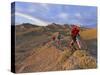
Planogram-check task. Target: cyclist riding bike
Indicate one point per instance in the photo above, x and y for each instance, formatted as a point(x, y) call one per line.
point(75, 29)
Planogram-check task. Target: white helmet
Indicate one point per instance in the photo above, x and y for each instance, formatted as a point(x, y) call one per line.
point(78, 25)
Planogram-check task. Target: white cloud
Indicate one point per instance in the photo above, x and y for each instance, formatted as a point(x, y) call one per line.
point(78, 15)
point(45, 6)
point(35, 20)
point(31, 9)
point(75, 21)
point(63, 15)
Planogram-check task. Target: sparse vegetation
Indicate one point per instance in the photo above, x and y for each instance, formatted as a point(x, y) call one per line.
point(65, 55)
point(80, 59)
point(36, 52)
point(80, 53)
point(87, 62)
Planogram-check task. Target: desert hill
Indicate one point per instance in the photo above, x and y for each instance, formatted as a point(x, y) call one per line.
point(51, 58)
point(35, 51)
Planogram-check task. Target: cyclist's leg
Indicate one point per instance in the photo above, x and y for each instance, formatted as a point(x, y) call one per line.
point(73, 39)
point(78, 43)
point(71, 43)
point(59, 42)
point(72, 46)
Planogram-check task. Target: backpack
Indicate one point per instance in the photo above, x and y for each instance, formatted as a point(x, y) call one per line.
point(59, 36)
point(74, 31)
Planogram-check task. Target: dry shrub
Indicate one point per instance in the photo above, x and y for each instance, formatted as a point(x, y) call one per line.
point(71, 63)
point(80, 53)
point(80, 59)
point(65, 55)
point(87, 62)
point(68, 66)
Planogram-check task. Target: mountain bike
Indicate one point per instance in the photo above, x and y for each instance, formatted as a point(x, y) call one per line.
point(82, 43)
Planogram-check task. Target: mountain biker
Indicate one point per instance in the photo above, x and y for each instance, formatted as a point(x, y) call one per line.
point(75, 29)
point(59, 37)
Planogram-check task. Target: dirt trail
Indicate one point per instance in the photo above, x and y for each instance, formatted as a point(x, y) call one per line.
point(52, 59)
point(43, 59)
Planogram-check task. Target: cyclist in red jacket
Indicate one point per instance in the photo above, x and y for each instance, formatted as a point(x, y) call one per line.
point(74, 35)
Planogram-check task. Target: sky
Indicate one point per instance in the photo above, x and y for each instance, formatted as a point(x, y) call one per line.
point(43, 14)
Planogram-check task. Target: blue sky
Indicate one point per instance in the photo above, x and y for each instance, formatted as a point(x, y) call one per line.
point(43, 14)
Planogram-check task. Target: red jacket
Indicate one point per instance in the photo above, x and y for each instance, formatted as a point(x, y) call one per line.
point(75, 31)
